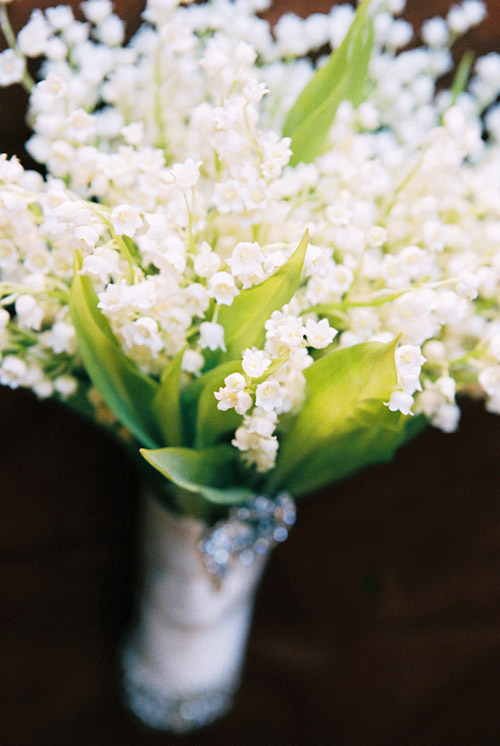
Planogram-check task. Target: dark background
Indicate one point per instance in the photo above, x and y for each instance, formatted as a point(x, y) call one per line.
point(377, 622)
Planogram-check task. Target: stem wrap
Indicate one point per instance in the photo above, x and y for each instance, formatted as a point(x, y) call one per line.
point(182, 663)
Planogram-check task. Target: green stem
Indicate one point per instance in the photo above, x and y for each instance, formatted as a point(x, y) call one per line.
point(191, 241)
point(7, 30)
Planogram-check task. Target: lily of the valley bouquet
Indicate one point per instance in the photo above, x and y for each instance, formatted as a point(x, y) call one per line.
point(264, 271)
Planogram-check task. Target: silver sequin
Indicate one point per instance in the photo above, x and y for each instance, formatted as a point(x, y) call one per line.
point(251, 529)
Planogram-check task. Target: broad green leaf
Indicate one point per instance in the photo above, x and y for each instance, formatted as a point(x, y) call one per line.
point(371, 436)
point(461, 76)
point(342, 78)
point(244, 320)
point(190, 396)
point(232, 495)
point(328, 76)
point(127, 392)
point(344, 423)
point(210, 472)
point(212, 423)
point(167, 405)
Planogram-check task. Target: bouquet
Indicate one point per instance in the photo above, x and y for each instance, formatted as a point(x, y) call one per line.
point(264, 258)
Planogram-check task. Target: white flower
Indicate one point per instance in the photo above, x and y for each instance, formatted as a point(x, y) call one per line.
point(12, 371)
point(125, 220)
point(276, 155)
point(29, 312)
point(261, 422)
point(235, 382)
point(376, 236)
point(111, 31)
point(12, 171)
point(61, 338)
point(4, 318)
point(435, 32)
point(12, 67)
point(49, 91)
point(255, 362)
point(290, 331)
point(254, 91)
point(268, 395)
point(319, 334)
point(96, 11)
point(65, 386)
point(134, 134)
point(186, 174)
point(489, 379)
point(244, 440)
point(227, 398)
point(192, 362)
point(144, 332)
point(212, 336)
point(60, 17)
point(33, 37)
point(446, 385)
point(400, 402)
point(85, 238)
point(475, 10)
point(246, 259)
point(99, 267)
point(227, 196)
point(81, 125)
point(60, 157)
point(206, 262)
point(409, 359)
point(447, 417)
point(222, 287)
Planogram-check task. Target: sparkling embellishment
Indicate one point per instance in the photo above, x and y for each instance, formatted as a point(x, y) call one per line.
point(251, 529)
point(156, 708)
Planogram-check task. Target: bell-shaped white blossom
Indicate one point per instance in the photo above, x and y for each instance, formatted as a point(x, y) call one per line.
point(12, 67)
point(255, 362)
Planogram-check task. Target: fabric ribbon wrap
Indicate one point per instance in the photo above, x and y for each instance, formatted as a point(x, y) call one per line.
point(182, 663)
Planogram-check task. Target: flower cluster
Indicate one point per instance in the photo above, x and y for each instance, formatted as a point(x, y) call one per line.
point(167, 170)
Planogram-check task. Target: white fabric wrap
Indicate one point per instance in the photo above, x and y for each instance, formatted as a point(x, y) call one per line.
point(191, 634)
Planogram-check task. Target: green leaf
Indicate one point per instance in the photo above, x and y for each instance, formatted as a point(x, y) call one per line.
point(344, 424)
point(210, 472)
point(244, 320)
point(342, 78)
point(212, 423)
point(461, 78)
point(127, 392)
point(167, 405)
point(229, 496)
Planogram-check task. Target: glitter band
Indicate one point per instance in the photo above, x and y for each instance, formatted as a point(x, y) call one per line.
point(158, 709)
point(251, 529)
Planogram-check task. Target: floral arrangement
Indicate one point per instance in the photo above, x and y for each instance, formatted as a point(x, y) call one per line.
point(264, 256)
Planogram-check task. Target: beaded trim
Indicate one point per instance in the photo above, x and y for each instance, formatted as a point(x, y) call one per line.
point(251, 529)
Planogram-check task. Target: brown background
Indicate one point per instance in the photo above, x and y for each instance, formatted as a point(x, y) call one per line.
point(377, 623)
